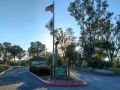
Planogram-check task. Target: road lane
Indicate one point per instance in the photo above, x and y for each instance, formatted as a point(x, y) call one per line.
point(18, 79)
point(102, 82)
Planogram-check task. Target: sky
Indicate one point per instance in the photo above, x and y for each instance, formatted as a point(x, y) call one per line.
point(23, 21)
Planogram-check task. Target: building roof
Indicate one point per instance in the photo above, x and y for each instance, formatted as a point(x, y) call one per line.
point(37, 59)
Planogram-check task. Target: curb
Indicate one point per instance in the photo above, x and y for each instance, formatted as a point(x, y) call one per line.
point(5, 71)
point(56, 84)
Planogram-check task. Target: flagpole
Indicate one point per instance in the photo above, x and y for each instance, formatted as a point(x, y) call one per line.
point(53, 37)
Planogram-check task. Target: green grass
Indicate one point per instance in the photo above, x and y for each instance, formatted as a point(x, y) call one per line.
point(84, 69)
point(115, 70)
point(3, 68)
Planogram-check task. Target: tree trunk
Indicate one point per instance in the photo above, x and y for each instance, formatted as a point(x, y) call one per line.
point(14, 60)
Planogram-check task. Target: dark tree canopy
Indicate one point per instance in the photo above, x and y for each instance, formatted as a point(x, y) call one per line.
point(15, 50)
point(36, 48)
point(95, 26)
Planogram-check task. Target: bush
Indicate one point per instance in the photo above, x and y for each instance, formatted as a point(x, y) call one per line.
point(3, 68)
point(40, 70)
point(117, 66)
point(96, 63)
point(108, 64)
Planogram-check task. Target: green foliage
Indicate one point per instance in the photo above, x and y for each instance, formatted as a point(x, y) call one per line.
point(5, 52)
point(117, 66)
point(36, 49)
point(40, 70)
point(66, 40)
point(108, 64)
point(48, 56)
point(15, 50)
point(98, 33)
point(96, 63)
point(70, 52)
point(84, 63)
point(21, 54)
point(3, 68)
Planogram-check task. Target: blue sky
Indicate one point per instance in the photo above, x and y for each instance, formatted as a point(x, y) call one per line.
point(23, 21)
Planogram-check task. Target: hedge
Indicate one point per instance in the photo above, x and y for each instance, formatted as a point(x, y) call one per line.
point(40, 70)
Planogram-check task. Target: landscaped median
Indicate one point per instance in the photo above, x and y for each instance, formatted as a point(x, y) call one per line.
point(100, 72)
point(4, 68)
point(47, 82)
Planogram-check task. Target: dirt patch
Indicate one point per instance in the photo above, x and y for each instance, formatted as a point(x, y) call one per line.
point(72, 79)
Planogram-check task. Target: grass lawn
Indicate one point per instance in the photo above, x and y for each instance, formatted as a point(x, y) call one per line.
point(116, 72)
point(3, 67)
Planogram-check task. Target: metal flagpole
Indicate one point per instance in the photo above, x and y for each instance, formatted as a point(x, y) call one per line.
point(53, 38)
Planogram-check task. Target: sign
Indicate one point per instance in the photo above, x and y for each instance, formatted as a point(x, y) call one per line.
point(60, 70)
point(71, 61)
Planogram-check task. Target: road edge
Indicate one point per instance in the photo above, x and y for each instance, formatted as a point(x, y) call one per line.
point(5, 71)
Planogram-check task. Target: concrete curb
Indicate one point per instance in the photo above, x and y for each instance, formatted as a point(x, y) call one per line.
point(5, 71)
point(56, 84)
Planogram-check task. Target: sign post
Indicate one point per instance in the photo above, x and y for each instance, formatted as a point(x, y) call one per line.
point(71, 61)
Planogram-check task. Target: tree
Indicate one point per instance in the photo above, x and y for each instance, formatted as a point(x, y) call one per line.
point(111, 51)
point(116, 33)
point(5, 49)
point(94, 23)
point(71, 52)
point(36, 48)
point(1, 50)
point(15, 50)
point(65, 38)
point(48, 56)
point(20, 55)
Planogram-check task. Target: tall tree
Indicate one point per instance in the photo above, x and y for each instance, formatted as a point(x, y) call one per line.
point(65, 39)
point(116, 33)
point(36, 48)
point(20, 55)
point(15, 50)
point(6, 54)
point(71, 52)
point(94, 21)
point(1, 50)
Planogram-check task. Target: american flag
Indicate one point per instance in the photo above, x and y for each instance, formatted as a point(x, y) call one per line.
point(49, 8)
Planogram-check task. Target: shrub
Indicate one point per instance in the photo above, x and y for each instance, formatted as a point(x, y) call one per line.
point(107, 64)
point(117, 66)
point(3, 68)
point(40, 70)
point(97, 63)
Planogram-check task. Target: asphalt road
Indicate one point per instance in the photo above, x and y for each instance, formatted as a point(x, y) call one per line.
point(19, 79)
